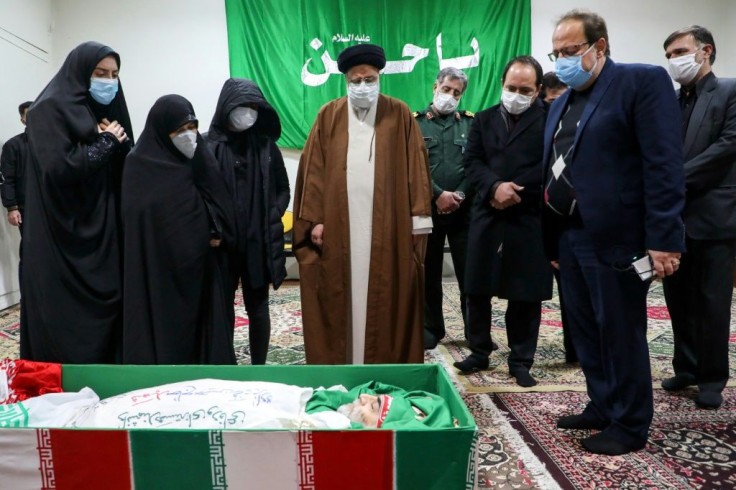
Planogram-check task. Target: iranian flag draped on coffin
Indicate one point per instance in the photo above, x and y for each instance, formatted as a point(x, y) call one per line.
point(155, 459)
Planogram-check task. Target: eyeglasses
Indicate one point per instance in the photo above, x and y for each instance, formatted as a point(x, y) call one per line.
point(367, 80)
point(567, 51)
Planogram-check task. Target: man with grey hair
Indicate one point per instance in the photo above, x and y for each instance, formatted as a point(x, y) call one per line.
point(699, 296)
point(445, 133)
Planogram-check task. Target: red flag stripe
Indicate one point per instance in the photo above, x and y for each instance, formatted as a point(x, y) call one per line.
point(351, 459)
point(91, 459)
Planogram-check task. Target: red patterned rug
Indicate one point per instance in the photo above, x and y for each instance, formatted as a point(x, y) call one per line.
point(688, 447)
point(549, 367)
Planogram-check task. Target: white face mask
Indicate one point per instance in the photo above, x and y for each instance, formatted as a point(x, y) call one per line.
point(186, 142)
point(515, 103)
point(242, 118)
point(684, 69)
point(363, 95)
point(445, 103)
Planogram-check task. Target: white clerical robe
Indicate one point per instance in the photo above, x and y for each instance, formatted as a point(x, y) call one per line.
point(360, 179)
point(360, 184)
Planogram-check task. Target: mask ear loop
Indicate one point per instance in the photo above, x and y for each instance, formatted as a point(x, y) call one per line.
point(589, 72)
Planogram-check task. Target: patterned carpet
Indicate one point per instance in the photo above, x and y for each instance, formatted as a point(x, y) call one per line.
point(549, 367)
point(688, 447)
point(519, 446)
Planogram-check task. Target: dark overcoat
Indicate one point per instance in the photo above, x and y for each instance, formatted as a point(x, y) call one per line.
point(505, 249)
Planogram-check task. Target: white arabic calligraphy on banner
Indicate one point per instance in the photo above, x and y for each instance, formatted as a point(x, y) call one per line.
point(401, 66)
point(350, 38)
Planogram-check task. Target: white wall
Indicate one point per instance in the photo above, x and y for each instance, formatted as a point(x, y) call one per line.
point(727, 45)
point(637, 28)
point(25, 44)
point(165, 47)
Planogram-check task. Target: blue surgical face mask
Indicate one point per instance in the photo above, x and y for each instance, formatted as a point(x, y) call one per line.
point(103, 90)
point(570, 71)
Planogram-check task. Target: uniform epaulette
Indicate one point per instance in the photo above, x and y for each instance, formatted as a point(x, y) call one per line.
point(468, 114)
point(415, 114)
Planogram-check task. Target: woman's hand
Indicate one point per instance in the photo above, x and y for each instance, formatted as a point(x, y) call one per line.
point(115, 129)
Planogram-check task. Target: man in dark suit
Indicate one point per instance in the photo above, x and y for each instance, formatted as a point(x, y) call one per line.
point(503, 161)
point(614, 192)
point(13, 164)
point(699, 296)
point(13, 159)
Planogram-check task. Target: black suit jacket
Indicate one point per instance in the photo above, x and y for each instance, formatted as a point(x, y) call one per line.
point(505, 252)
point(710, 162)
point(13, 161)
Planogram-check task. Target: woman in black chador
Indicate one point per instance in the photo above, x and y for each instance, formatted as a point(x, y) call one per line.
point(79, 133)
point(243, 138)
point(176, 215)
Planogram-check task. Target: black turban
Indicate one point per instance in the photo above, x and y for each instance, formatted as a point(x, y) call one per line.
point(361, 54)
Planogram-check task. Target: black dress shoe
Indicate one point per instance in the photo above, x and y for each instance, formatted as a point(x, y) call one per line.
point(678, 382)
point(581, 422)
point(709, 399)
point(600, 443)
point(471, 364)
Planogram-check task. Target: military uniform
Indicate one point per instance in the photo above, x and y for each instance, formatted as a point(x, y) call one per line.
point(445, 138)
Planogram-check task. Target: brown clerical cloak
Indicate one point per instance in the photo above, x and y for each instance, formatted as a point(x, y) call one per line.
point(402, 189)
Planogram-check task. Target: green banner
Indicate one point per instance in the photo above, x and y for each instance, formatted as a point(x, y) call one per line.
point(290, 48)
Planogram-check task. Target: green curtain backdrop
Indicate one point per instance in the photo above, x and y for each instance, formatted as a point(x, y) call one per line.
point(290, 48)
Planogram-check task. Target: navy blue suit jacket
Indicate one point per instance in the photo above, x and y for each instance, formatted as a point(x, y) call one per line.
point(627, 164)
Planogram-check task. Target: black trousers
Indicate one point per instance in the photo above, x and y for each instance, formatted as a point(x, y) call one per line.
point(256, 305)
point(699, 298)
point(522, 329)
point(607, 315)
point(457, 236)
point(570, 355)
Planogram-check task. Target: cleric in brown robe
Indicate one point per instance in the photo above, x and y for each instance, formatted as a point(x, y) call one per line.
point(362, 212)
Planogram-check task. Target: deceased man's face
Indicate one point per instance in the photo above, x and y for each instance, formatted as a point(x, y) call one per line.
point(364, 410)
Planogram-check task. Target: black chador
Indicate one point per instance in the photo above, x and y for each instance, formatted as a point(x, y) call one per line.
point(71, 288)
point(175, 305)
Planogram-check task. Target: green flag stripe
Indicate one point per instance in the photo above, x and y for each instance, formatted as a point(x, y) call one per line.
point(175, 460)
point(435, 459)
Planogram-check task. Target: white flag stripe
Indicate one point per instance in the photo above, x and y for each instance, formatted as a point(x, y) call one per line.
point(261, 460)
point(19, 462)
